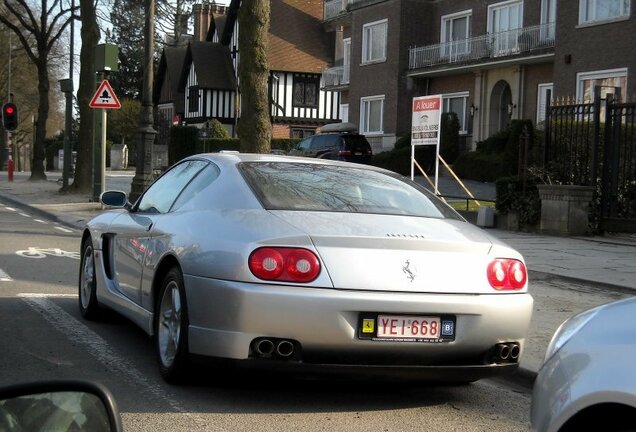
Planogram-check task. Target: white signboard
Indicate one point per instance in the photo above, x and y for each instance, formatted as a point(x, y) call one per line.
point(427, 115)
point(426, 128)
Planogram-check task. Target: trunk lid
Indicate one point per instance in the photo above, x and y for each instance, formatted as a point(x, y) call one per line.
point(398, 253)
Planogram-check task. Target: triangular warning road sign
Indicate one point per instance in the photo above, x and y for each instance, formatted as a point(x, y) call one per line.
point(105, 97)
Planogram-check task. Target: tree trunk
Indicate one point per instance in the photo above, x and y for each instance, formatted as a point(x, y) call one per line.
point(255, 127)
point(83, 181)
point(37, 167)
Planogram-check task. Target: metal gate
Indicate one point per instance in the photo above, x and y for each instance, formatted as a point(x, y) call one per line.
point(594, 144)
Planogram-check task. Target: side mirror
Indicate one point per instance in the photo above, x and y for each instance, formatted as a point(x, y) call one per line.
point(116, 199)
point(59, 405)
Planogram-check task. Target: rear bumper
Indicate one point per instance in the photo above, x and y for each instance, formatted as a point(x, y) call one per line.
point(225, 317)
point(429, 374)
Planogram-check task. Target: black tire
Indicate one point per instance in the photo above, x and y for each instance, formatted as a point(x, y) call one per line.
point(171, 328)
point(87, 285)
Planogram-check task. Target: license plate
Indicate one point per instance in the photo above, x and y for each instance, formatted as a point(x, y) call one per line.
point(408, 327)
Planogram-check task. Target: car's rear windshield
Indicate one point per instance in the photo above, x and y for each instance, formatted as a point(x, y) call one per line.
point(356, 143)
point(336, 188)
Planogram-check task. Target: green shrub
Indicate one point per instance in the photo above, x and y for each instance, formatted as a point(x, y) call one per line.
point(214, 129)
point(498, 155)
point(512, 199)
point(480, 166)
point(449, 140)
point(399, 159)
point(284, 144)
point(184, 141)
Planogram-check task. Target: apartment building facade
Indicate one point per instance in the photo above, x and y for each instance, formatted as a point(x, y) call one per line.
point(492, 60)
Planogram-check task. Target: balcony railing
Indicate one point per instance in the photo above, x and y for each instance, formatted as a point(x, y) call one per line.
point(334, 8)
point(493, 45)
point(335, 77)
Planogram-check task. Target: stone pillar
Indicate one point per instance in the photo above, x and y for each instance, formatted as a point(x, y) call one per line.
point(565, 209)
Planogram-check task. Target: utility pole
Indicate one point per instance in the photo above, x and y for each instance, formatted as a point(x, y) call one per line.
point(9, 99)
point(143, 172)
point(67, 88)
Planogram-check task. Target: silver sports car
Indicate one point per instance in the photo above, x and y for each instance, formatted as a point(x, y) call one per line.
point(309, 265)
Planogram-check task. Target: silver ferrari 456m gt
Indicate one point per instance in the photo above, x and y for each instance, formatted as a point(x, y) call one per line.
point(306, 264)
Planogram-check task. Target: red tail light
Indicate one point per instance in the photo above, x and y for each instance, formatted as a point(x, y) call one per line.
point(344, 153)
point(507, 274)
point(284, 264)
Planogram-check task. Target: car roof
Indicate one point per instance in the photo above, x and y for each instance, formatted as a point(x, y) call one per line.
point(229, 159)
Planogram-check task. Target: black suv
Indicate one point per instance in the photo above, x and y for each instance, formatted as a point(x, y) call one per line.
point(350, 147)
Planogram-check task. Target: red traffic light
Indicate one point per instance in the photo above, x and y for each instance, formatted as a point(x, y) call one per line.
point(9, 116)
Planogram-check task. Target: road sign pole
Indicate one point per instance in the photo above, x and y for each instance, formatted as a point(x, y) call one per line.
point(103, 159)
point(104, 98)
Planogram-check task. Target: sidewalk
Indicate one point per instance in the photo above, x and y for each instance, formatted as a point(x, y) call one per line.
point(567, 274)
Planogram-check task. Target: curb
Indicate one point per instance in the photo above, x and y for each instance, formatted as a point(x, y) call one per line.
point(42, 213)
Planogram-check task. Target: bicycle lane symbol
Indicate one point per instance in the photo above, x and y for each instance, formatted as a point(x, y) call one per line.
point(38, 253)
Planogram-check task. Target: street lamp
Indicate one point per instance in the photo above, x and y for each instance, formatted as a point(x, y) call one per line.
point(143, 170)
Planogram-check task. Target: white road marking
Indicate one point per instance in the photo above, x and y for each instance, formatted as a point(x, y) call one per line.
point(36, 252)
point(24, 214)
point(66, 230)
point(41, 221)
point(4, 277)
point(98, 347)
point(10, 209)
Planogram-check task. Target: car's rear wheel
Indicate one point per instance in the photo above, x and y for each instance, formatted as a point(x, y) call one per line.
point(88, 305)
point(171, 328)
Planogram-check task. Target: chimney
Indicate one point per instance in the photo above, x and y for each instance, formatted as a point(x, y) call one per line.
point(202, 17)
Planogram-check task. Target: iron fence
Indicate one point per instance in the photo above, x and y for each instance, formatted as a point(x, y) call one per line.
point(594, 144)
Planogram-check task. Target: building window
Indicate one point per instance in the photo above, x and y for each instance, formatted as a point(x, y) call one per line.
point(544, 94)
point(458, 104)
point(306, 91)
point(344, 113)
point(602, 10)
point(374, 41)
point(607, 79)
point(548, 19)
point(300, 133)
point(371, 114)
point(455, 33)
point(503, 19)
point(193, 99)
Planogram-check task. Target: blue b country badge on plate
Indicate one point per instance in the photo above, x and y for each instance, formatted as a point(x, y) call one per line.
point(448, 328)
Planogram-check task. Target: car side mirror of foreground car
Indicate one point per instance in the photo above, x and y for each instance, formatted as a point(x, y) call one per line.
point(58, 406)
point(117, 199)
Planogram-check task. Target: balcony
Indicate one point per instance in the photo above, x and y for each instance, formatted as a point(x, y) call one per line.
point(335, 77)
point(333, 8)
point(490, 46)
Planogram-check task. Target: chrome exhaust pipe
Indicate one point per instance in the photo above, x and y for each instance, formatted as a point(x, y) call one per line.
point(285, 348)
point(515, 350)
point(264, 347)
point(503, 351)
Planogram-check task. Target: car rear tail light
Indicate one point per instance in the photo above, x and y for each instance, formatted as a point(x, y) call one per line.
point(284, 264)
point(507, 274)
point(344, 153)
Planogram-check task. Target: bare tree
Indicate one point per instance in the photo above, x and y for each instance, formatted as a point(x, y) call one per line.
point(38, 29)
point(255, 127)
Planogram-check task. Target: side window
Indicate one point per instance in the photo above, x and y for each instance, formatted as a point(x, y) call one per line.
point(304, 144)
point(322, 141)
point(202, 180)
point(162, 193)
